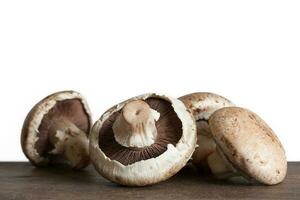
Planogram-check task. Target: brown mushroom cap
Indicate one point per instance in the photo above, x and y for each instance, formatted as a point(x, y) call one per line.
point(69, 105)
point(249, 144)
point(173, 145)
point(202, 105)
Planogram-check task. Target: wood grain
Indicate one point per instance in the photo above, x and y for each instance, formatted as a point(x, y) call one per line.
point(20, 180)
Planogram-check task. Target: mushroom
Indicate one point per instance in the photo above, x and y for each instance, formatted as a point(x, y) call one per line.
point(246, 146)
point(202, 105)
point(56, 131)
point(143, 140)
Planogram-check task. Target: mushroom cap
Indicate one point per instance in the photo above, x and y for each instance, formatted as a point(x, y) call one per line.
point(148, 169)
point(34, 137)
point(202, 105)
point(249, 144)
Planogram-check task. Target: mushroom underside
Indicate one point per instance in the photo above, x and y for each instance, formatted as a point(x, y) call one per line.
point(169, 131)
point(71, 110)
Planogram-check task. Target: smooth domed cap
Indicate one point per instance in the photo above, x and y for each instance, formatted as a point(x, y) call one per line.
point(249, 144)
point(172, 148)
point(203, 104)
point(70, 105)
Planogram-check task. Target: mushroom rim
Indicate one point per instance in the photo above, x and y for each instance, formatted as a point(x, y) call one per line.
point(34, 119)
point(176, 156)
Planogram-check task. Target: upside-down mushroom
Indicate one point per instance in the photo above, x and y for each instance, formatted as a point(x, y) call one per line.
point(56, 131)
point(143, 140)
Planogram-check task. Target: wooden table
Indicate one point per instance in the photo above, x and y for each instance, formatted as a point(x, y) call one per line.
point(19, 180)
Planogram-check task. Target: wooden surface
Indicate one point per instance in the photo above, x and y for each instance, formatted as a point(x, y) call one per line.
point(23, 181)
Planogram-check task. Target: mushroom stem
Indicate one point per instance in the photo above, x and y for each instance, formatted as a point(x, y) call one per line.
point(220, 167)
point(135, 126)
point(205, 143)
point(71, 142)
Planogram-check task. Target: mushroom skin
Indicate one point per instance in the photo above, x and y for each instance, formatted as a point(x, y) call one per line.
point(48, 136)
point(246, 146)
point(154, 169)
point(202, 105)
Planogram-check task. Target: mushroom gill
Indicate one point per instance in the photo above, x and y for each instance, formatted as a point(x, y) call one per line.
point(71, 110)
point(169, 131)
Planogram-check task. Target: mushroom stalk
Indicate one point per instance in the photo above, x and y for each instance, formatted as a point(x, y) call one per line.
point(205, 143)
point(135, 126)
point(69, 141)
point(220, 167)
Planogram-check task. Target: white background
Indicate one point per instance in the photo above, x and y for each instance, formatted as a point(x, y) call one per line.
point(247, 51)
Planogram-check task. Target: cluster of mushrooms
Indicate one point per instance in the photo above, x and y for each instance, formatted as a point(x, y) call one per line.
point(149, 138)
